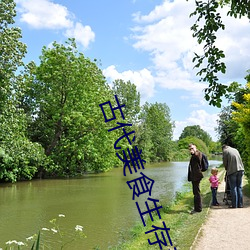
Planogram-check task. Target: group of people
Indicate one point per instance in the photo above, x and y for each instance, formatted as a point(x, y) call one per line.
point(234, 167)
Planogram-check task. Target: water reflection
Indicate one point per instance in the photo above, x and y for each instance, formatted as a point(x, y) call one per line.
point(101, 203)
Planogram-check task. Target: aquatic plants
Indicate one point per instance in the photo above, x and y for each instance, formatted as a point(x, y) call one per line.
point(52, 237)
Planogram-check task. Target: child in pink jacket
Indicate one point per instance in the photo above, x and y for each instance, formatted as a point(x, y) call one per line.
point(214, 185)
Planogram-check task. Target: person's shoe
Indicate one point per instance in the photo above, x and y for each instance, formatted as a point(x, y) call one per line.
point(194, 212)
point(217, 204)
point(231, 206)
point(241, 206)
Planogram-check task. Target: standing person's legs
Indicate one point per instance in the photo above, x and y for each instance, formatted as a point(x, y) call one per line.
point(233, 188)
point(239, 188)
point(214, 196)
point(197, 196)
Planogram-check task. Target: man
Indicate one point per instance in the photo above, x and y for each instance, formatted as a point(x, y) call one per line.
point(235, 169)
point(195, 175)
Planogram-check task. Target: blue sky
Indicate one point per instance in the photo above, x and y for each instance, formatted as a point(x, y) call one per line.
point(148, 42)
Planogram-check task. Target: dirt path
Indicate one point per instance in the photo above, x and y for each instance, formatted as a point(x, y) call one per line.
point(225, 228)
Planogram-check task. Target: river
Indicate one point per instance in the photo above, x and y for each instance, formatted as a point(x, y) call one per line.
point(101, 203)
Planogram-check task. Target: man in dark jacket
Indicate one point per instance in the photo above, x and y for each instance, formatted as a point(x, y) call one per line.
point(195, 175)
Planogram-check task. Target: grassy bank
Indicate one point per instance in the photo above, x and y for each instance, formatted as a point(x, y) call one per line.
point(183, 226)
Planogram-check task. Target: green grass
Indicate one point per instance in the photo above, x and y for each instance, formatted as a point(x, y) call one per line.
point(183, 226)
point(246, 188)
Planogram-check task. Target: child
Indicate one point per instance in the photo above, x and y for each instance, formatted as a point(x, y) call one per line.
point(214, 185)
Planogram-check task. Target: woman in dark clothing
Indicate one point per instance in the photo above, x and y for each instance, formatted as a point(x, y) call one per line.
point(195, 175)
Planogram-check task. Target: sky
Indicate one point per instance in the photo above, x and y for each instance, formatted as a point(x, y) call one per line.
point(147, 42)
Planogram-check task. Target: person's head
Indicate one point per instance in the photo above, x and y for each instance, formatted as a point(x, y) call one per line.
point(214, 171)
point(192, 148)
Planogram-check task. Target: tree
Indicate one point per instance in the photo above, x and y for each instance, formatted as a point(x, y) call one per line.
point(241, 116)
point(207, 24)
point(65, 91)
point(156, 130)
point(184, 142)
point(20, 158)
point(229, 130)
point(227, 127)
point(196, 131)
point(128, 95)
point(12, 50)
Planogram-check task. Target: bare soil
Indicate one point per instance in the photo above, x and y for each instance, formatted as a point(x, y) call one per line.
point(225, 228)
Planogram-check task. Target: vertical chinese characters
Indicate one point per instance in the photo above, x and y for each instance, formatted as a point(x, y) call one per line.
point(132, 162)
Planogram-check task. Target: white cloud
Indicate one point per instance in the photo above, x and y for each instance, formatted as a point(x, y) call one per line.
point(44, 14)
point(167, 36)
point(198, 117)
point(83, 34)
point(143, 80)
point(165, 33)
point(234, 41)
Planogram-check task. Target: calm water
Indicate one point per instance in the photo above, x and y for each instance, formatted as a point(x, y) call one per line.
point(101, 203)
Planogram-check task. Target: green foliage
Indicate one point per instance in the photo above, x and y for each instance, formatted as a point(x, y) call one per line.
point(181, 154)
point(12, 50)
point(53, 237)
point(36, 243)
point(20, 159)
point(215, 147)
point(196, 131)
point(201, 146)
point(237, 8)
point(233, 123)
point(241, 116)
point(64, 94)
point(155, 131)
point(205, 28)
point(128, 95)
point(227, 127)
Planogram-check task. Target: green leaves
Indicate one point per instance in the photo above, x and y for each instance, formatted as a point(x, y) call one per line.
point(21, 158)
point(66, 90)
point(156, 131)
point(239, 8)
point(210, 63)
point(128, 95)
point(207, 12)
point(196, 131)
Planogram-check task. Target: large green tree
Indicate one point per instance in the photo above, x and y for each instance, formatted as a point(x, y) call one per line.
point(196, 131)
point(210, 63)
point(65, 91)
point(130, 97)
point(19, 158)
point(241, 115)
point(227, 127)
point(184, 142)
point(156, 131)
point(12, 51)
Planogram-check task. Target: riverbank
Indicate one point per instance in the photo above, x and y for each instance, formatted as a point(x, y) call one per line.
point(183, 227)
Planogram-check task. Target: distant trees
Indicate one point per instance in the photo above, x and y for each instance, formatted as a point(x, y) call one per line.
point(156, 131)
point(227, 127)
point(128, 95)
point(184, 142)
point(198, 132)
